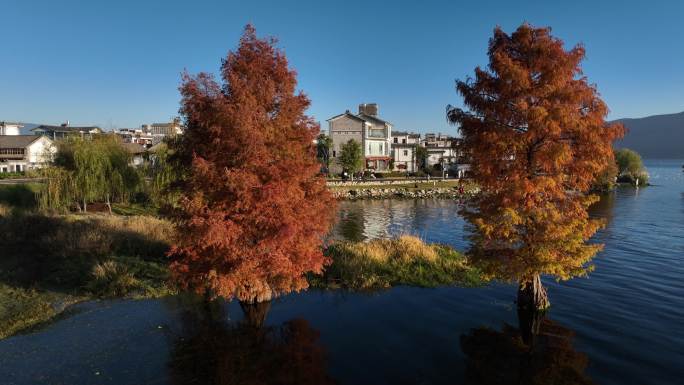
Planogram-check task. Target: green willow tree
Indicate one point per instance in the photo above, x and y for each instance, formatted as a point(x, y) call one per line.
point(89, 170)
point(536, 132)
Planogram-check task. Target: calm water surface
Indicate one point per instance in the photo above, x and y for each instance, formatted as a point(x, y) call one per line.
point(627, 317)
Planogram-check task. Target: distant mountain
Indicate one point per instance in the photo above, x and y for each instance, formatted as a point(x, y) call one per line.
point(657, 136)
point(26, 130)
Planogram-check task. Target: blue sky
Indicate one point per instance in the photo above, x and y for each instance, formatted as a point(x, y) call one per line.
point(118, 63)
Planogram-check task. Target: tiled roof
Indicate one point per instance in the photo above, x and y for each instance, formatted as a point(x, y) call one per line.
point(373, 118)
point(17, 141)
point(362, 117)
point(47, 127)
point(134, 148)
point(346, 113)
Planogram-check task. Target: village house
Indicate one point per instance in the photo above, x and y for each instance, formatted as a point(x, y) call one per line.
point(138, 153)
point(404, 150)
point(65, 130)
point(20, 153)
point(374, 135)
point(442, 150)
point(136, 135)
point(9, 128)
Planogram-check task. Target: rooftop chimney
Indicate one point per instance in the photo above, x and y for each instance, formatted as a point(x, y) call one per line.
point(368, 109)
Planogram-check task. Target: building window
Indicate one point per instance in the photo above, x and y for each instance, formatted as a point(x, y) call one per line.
point(381, 148)
point(334, 154)
point(369, 148)
point(403, 141)
point(396, 140)
point(405, 152)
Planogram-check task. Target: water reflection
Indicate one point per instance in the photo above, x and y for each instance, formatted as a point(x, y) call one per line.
point(213, 350)
point(540, 351)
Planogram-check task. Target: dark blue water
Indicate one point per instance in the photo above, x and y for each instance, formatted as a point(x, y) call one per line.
point(623, 324)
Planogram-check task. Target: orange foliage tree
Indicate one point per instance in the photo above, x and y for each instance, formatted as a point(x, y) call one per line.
point(538, 138)
point(254, 207)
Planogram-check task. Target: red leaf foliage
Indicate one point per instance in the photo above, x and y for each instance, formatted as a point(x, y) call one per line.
point(536, 131)
point(255, 208)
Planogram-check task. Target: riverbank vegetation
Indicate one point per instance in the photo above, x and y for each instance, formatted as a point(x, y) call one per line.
point(383, 263)
point(630, 167)
point(50, 261)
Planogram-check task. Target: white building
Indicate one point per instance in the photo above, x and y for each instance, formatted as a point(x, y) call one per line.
point(159, 131)
point(20, 153)
point(442, 150)
point(9, 128)
point(65, 130)
point(404, 150)
point(374, 135)
point(137, 136)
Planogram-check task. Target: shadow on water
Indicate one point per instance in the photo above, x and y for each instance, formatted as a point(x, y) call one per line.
point(213, 350)
point(539, 351)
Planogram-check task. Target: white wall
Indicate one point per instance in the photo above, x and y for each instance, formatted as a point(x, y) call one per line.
point(9, 129)
point(41, 151)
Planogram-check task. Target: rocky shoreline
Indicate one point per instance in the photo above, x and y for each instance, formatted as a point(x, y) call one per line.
point(400, 193)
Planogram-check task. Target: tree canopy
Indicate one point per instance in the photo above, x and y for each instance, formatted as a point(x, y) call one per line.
point(630, 167)
point(323, 145)
point(254, 208)
point(351, 156)
point(89, 170)
point(421, 157)
point(536, 132)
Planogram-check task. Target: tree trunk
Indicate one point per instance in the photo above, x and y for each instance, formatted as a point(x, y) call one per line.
point(85, 206)
point(529, 322)
point(109, 205)
point(532, 295)
point(255, 312)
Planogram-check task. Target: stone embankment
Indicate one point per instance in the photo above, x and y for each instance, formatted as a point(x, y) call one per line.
point(406, 193)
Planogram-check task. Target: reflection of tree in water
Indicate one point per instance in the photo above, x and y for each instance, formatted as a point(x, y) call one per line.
point(216, 352)
point(350, 223)
point(604, 207)
point(543, 355)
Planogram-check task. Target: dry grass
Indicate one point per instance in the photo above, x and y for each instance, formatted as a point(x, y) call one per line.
point(46, 258)
point(112, 279)
point(405, 260)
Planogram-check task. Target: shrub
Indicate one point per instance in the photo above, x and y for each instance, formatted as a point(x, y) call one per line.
point(382, 263)
point(111, 279)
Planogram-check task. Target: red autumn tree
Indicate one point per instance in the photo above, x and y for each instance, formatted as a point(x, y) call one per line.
point(538, 138)
point(255, 208)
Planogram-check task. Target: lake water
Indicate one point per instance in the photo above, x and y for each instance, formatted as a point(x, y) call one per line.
point(624, 324)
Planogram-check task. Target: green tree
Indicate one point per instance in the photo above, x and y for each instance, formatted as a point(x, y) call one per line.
point(351, 157)
point(323, 147)
point(162, 172)
point(630, 166)
point(89, 170)
point(421, 157)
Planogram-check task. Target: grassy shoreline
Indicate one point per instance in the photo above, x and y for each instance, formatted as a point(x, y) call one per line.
point(50, 262)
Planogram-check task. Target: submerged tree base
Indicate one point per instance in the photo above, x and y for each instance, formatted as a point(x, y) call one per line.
point(532, 295)
point(384, 263)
